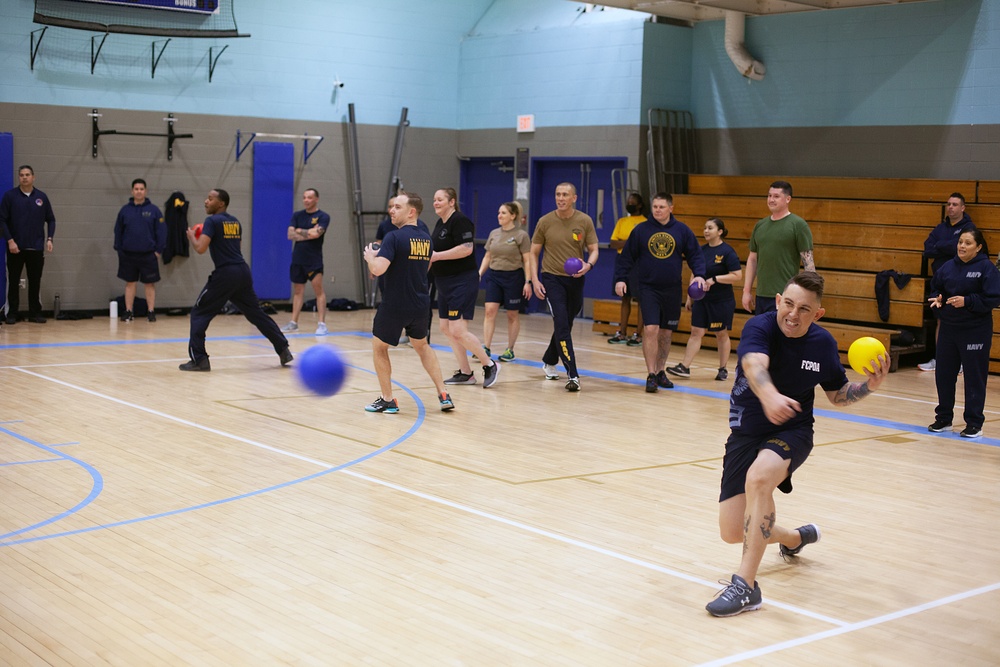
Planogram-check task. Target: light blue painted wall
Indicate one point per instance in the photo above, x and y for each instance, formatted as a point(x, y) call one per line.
point(389, 53)
point(933, 63)
point(666, 68)
point(545, 57)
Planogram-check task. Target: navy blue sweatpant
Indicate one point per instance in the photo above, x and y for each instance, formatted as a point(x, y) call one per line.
point(232, 282)
point(564, 296)
point(965, 346)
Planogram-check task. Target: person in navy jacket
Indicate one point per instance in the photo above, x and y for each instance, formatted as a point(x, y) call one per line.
point(28, 225)
point(652, 261)
point(140, 238)
point(964, 291)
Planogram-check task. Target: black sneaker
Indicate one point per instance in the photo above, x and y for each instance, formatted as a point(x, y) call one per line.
point(617, 339)
point(37, 319)
point(150, 316)
point(285, 356)
point(573, 384)
point(809, 534)
point(490, 374)
point(939, 425)
point(461, 378)
point(651, 387)
point(128, 316)
point(663, 381)
point(722, 375)
point(446, 402)
point(633, 340)
point(382, 405)
point(680, 370)
point(736, 598)
point(971, 432)
point(11, 319)
point(203, 365)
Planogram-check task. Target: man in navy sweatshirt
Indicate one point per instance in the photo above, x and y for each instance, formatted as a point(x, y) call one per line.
point(28, 225)
point(140, 238)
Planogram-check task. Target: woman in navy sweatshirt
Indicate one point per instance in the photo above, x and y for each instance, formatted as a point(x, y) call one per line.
point(966, 289)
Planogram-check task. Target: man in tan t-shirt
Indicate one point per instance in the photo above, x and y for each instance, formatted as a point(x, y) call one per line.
point(563, 233)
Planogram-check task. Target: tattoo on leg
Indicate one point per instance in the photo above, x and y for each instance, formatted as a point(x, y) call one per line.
point(767, 526)
point(746, 531)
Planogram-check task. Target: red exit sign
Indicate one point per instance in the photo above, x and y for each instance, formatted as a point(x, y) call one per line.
point(526, 123)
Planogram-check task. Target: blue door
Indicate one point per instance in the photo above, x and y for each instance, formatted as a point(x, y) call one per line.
point(485, 184)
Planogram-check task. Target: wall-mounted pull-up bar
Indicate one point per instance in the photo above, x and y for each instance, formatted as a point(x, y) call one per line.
point(170, 134)
point(241, 148)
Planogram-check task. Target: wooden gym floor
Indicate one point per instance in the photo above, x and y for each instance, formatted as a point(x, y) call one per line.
point(153, 517)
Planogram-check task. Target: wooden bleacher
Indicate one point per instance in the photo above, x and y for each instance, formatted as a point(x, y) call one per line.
point(860, 226)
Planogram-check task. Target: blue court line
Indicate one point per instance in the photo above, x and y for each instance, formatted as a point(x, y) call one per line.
point(21, 463)
point(155, 341)
point(418, 422)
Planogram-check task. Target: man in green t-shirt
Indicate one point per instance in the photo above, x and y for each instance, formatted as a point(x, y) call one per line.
point(778, 244)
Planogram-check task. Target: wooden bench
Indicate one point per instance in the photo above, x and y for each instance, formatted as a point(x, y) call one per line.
point(826, 187)
point(607, 312)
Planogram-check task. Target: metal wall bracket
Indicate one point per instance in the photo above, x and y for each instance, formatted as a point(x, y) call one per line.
point(213, 61)
point(154, 59)
point(171, 136)
point(306, 153)
point(94, 53)
point(36, 45)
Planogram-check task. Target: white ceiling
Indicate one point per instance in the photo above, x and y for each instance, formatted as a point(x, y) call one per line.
point(708, 10)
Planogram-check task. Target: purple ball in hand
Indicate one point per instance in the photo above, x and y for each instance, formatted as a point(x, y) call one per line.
point(696, 292)
point(573, 266)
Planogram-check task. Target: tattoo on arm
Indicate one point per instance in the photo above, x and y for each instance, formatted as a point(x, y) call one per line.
point(767, 526)
point(468, 245)
point(852, 392)
point(807, 260)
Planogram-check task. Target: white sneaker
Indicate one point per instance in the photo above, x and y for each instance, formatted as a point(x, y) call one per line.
point(290, 327)
point(551, 372)
point(321, 329)
point(928, 366)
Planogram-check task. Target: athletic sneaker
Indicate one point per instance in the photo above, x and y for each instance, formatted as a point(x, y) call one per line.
point(290, 327)
point(633, 340)
point(128, 316)
point(382, 405)
point(150, 316)
point(508, 354)
point(446, 402)
point(809, 534)
point(285, 356)
point(573, 384)
point(490, 374)
point(651, 387)
point(663, 381)
point(971, 432)
point(939, 425)
point(680, 370)
point(736, 598)
point(487, 351)
point(722, 375)
point(204, 366)
point(551, 372)
point(321, 329)
point(928, 366)
point(461, 378)
point(618, 339)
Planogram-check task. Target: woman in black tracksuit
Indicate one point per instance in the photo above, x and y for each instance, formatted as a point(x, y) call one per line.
point(966, 289)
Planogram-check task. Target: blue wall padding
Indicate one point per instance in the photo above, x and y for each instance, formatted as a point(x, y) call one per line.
point(273, 197)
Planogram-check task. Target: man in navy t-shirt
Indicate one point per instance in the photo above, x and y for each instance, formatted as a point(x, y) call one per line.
point(402, 260)
point(782, 356)
point(221, 235)
point(307, 229)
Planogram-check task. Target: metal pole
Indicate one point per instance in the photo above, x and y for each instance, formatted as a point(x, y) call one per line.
point(352, 140)
point(397, 155)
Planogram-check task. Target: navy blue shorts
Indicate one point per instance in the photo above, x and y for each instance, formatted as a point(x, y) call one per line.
point(388, 326)
point(138, 266)
point(713, 315)
point(661, 307)
point(741, 451)
point(506, 287)
point(301, 274)
point(456, 295)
